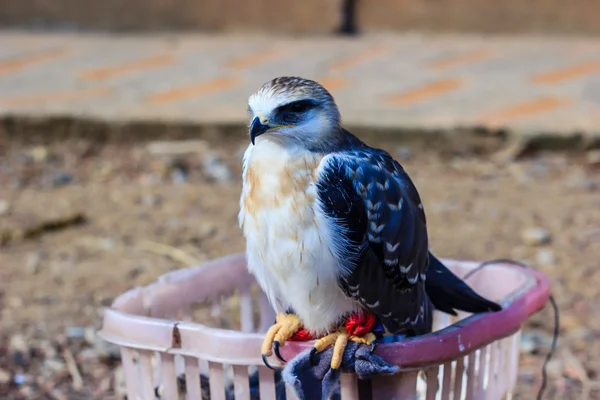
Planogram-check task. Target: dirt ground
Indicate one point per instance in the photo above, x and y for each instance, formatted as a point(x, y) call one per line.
point(114, 207)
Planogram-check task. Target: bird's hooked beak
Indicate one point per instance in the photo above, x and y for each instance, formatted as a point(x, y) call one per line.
point(257, 128)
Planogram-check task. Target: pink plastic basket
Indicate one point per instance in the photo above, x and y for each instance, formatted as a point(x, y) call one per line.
point(469, 357)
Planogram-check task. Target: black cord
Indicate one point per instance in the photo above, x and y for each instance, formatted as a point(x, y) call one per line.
point(556, 318)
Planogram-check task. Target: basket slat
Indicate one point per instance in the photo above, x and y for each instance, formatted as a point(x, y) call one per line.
point(267, 383)
point(407, 387)
point(169, 376)
point(349, 387)
point(146, 374)
point(192, 378)
point(216, 376)
point(241, 383)
point(432, 383)
point(494, 386)
point(482, 371)
point(505, 365)
point(471, 377)
point(514, 363)
point(458, 378)
point(447, 381)
point(131, 375)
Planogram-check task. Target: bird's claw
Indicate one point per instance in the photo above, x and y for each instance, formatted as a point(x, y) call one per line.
point(339, 340)
point(312, 357)
point(276, 351)
point(283, 329)
point(266, 362)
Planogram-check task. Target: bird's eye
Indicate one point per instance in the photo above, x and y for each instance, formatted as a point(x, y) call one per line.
point(299, 106)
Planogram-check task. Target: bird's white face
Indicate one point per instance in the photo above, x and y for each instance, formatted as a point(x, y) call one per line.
point(292, 108)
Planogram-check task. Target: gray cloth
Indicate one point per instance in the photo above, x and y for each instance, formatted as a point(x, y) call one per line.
point(320, 382)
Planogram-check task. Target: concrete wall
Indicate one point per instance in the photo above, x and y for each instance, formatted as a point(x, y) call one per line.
point(207, 15)
point(306, 16)
point(505, 16)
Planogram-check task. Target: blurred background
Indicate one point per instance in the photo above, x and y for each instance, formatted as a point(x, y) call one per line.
point(122, 126)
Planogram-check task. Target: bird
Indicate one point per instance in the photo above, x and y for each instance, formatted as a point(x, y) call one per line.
point(335, 228)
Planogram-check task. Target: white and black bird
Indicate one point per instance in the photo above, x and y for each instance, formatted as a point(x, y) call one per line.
point(334, 227)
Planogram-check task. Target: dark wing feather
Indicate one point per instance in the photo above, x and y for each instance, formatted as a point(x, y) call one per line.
point(372, 197)
point(448, 292)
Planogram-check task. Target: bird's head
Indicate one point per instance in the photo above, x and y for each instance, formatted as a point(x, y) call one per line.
point(293, 108)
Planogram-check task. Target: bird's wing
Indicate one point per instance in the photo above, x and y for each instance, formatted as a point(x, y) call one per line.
point(368, 194)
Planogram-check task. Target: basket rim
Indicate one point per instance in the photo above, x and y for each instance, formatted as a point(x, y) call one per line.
point(231, 347)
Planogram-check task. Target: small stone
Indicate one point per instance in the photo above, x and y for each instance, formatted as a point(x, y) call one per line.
point(535, 236)
point(5, 376)
point(580, 181)
point(90, 335)
point(27, 392)
point(39, 153)
point(62, 179)
point(404, 153)
point(178, 176)
point(4, 206)
point(527, 375)
point(150, 200)
point(19, 349)
point(573, 367)
point(527, 345)
point(521, 173)
point(593, 158)
point(216, 170)
point(20, 379)
point(539, 169)
point(75, 332)
point(14, 302)
point(47, 348)
point(87, 355)
point(555, 368)
point(108, 243)
point(545, 257)
point(535, 341)
point(133, 273)
point(34, 261)
point(54, 365)
point(207, 230)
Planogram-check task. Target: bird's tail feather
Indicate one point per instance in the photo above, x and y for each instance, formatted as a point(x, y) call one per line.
point(449, 293)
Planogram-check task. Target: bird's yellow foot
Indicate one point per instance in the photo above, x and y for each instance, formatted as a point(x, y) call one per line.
point(285, 327)
point(339, 340)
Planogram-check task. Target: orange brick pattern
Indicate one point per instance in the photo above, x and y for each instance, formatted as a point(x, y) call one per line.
point(526, 84)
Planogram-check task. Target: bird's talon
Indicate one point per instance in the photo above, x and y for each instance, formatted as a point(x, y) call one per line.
point(284, 328)
point(276, 350)
point(264, 358)
point(367, 339)
point(312, 357)
point(338, 348)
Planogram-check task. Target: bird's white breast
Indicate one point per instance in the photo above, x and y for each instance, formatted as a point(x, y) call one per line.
point(290, 242)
